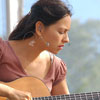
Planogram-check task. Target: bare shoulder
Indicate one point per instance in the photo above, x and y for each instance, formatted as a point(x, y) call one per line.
point(45, 55)
point(45, 58)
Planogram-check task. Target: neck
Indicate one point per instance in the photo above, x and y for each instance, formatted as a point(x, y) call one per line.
point(27, 51)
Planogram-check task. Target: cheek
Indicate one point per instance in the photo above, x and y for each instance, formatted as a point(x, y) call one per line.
point(53, 37)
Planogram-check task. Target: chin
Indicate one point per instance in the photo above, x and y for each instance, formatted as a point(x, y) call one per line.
point(54, 52)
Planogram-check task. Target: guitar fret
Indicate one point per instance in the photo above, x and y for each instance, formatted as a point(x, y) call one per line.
point(47, 98)
point(92, 96)
point(98, 94)
point(72, 97)
point(34, 98)
point(54, 98)
point(50, 98)
point(64, 96)
point(86, 96)
point(60, 97)
point(75, 96)
point(67, 97)
point(78, 96)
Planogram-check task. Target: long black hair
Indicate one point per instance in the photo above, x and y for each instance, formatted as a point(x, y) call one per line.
point(46, 11)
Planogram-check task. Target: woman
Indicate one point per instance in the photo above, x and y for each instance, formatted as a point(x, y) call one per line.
point(29, 51)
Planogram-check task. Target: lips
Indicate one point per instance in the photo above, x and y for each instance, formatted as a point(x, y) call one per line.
point(61, 47)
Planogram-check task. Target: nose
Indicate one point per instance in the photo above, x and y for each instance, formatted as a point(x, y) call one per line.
point(66, 38)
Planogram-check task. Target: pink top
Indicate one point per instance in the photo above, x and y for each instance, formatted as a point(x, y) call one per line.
point(11, 69)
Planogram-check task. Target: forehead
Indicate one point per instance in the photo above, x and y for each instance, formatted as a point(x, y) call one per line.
point(65, 22)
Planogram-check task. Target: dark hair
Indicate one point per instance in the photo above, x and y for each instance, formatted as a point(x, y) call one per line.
point(46, 11)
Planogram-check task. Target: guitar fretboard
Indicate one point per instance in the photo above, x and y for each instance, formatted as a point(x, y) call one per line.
point(78, 96)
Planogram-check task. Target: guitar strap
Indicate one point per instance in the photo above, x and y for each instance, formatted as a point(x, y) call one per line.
point(51, 57)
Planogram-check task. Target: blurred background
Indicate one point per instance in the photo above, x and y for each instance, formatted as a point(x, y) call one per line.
point(82, 54)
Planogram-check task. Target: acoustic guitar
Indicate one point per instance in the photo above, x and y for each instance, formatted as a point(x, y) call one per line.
point(39, 90)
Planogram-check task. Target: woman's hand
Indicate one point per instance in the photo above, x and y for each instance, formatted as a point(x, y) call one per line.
point(19, 95)
point(13, 94)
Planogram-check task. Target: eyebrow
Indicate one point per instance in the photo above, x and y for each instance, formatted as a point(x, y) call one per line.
point(66, 29)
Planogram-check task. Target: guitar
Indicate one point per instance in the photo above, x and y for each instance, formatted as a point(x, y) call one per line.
point(39, 90)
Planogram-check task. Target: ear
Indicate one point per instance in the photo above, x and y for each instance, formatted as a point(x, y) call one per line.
point(39, 28)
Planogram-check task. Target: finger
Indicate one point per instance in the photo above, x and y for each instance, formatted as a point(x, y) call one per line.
point(31, 98)
point(28, 98)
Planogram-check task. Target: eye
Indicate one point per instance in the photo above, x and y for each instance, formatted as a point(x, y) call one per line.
point(61, 32)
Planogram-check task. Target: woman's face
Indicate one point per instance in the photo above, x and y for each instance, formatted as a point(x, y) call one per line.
point(57, 34)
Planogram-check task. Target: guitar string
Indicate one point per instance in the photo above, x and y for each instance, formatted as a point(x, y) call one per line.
point(51, 98)
point(71, 96)
point(60, 98)
point(82, 95)
point(75, 98)
point(64, 97)
point(98, 95)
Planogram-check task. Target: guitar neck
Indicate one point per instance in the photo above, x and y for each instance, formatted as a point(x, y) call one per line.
point(80, 96)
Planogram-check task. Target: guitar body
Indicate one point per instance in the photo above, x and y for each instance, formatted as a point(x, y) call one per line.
point(39, 90)
point(30, 84)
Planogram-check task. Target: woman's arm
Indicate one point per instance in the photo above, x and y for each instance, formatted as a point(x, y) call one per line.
point(13, 94)
point(60, 89)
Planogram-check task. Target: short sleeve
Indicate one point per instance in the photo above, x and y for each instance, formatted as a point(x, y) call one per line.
point(61, 70)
